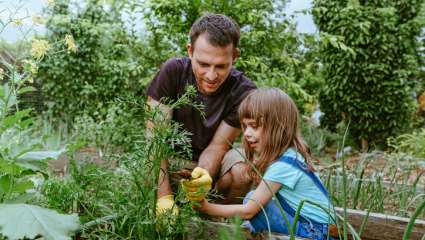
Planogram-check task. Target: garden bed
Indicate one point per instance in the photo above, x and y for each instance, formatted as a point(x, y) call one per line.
point(378, 227)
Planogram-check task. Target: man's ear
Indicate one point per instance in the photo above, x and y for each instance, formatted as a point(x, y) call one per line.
point(189, 50)
point(236, 53)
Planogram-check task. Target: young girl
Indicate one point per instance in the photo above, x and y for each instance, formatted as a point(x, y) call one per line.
point(273, 142)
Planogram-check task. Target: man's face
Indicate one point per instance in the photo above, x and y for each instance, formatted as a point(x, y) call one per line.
point(211, 65)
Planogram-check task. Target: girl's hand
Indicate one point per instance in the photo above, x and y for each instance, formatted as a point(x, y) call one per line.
point(200, 206)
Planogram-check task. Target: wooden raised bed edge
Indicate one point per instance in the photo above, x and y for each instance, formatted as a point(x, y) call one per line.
point(381, 226)
point(378, 227)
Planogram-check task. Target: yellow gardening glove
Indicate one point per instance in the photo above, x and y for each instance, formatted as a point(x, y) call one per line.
point(197, 188)
point(166, 203)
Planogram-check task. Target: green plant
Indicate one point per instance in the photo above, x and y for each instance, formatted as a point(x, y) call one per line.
point(117, 131)
point(20, 221)
point(23, 161)
point(102, 68)
point(380, 182)
point(120, 203)
point(409, 227)
point(236, 233)
point(410, 143)
point(360, 46)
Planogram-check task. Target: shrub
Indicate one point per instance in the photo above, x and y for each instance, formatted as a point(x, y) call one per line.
point(103, 67)
point(370, 64)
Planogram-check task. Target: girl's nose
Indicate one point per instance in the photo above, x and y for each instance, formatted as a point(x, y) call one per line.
point(248, 132)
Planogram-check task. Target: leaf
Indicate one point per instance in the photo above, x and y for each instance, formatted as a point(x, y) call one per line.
point(26, 89)
point(36, 160)
point(9, 168)
point(11, 120)
point(22, 185)
point(5, 184)
point(18, 221)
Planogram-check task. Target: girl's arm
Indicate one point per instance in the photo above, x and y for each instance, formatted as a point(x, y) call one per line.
point(260, 197)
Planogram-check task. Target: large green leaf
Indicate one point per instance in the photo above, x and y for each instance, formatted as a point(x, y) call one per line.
point(36, 160)
point(18, 221)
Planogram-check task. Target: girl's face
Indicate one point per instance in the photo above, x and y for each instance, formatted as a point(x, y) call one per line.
point(253, 134)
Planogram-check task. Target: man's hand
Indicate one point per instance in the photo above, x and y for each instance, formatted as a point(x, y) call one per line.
point(166, 203)
point(197, 188)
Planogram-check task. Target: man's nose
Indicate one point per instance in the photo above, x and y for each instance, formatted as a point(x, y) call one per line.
point(211, 74)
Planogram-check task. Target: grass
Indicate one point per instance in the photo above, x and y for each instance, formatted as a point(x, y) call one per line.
point(384, 189)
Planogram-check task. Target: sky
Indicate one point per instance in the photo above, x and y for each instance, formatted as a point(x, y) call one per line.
point(30, 7)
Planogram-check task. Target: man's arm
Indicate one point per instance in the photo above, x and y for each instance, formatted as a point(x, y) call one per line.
point(212, 156)
point(164, 186)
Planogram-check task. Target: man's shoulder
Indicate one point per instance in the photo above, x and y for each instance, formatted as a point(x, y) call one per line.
point(240, 81)
point(176, 64)
point(171, 79)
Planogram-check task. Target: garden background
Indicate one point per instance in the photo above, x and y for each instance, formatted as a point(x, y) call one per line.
point(72, 91)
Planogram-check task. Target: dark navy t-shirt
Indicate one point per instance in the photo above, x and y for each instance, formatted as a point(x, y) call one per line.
point(171, 82)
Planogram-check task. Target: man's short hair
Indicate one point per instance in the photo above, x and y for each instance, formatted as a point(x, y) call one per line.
point(221, 30)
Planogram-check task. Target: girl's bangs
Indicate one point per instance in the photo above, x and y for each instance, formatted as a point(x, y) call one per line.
point(249, 108)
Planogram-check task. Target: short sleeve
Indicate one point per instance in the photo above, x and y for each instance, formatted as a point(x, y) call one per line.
point(165, 82)
point(238, 95)
point(283, 173)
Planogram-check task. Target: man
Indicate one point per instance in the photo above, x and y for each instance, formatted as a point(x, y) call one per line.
point(220, 88)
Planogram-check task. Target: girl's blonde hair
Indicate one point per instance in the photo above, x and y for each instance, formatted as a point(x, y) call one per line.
point(277, 114)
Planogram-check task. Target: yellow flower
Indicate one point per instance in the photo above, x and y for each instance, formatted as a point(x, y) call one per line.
point(69, 40)
point(37, 19)
point(50, 2)
point(39, 48)
point(30, 65)
point(1, 74)
point(17, 22)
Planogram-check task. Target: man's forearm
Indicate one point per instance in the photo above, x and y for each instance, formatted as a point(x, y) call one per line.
point(210, 160)
point(164, 186)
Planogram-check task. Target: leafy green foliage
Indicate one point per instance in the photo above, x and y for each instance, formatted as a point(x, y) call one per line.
point(21, 154)
point(410, 143)
point(370, 64)
point(18, 221)
point(121, 202)
point(117, 131)
point(103, 67)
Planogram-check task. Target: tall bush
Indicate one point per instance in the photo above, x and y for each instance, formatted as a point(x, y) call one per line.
point(103, 67)
point(370, 76)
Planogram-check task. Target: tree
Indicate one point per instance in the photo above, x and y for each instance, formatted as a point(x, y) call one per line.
point(370, 64)
point(103, 67)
